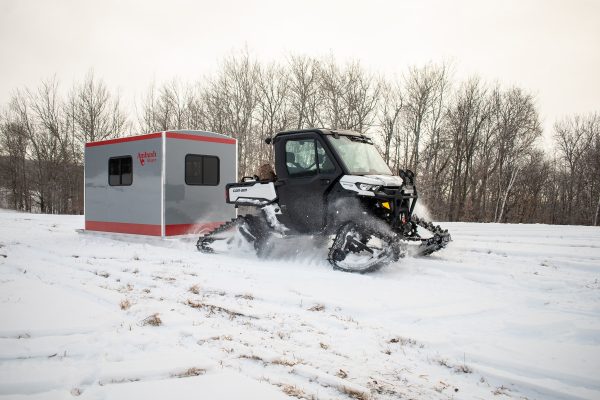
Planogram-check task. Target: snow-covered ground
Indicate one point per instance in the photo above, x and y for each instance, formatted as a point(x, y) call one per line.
point(507, 311)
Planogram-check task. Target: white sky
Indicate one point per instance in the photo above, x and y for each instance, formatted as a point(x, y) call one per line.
point(551, 48)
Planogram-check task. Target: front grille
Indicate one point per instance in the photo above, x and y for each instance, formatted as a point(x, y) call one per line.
point(391, 190)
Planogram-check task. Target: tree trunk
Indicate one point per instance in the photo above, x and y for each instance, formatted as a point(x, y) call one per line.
point(597, 212)
point(508, 188)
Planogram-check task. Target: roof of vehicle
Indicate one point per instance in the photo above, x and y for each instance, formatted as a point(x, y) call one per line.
point(322, 131)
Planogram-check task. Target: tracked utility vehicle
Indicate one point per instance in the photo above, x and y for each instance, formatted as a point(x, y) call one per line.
point(334, 185)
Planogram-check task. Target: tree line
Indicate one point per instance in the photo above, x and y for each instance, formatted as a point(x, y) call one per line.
point(474, 146)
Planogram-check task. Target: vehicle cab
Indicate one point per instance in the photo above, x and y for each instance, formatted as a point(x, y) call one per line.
point(320, 171)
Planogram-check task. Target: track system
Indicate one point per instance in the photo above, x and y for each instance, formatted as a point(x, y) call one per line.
point(438, 241)
point(360, 249)
point(355, 248)
point(240, 231)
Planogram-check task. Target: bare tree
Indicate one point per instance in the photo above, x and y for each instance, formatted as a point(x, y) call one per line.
point(577, 141)
point(436, 130)
point(96, 113)
point(332, 89)
point(39, 113)
point(467, 118)
point(13, 148)
point(234, 92)
point(173, 105)
point(389, 116)
point(305, 99)
point(518, 128)
point(148, 118)
point(273, 113)
point(419, 89)
point(360, 97)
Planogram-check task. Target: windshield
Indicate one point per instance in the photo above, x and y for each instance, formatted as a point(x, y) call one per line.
point(359, 155)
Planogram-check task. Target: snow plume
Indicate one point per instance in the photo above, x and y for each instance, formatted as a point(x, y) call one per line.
point(271, 211)
point(350, 209)
point(422, 211)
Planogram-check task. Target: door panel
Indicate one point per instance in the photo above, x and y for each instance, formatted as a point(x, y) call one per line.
point(310, 171)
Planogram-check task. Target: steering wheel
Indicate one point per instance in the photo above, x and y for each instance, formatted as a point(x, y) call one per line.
point(294, 164)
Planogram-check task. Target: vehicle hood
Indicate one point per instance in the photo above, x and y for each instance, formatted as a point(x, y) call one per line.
point(387, 180)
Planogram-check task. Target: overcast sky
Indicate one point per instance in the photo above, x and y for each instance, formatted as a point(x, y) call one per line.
point(551, 48)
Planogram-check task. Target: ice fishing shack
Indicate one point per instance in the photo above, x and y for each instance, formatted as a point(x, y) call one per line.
point(160, 184)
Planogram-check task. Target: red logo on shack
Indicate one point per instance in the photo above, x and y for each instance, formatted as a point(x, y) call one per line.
point(147, 157)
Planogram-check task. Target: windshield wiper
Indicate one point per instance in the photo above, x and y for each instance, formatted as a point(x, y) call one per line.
point(361, 139)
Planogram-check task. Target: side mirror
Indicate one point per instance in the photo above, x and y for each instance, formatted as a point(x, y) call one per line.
point(268, 140)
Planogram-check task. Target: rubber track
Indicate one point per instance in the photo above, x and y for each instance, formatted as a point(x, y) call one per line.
point(438, 241)
point(205, 241)
point(373, 265)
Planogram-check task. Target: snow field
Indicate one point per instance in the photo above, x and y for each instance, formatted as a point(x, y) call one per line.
point(507, 311)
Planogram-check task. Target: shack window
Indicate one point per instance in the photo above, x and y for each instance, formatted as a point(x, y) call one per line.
point(120, 171)
point(202, 170)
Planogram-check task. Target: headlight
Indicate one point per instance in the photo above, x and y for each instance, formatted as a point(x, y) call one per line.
point(367, 187)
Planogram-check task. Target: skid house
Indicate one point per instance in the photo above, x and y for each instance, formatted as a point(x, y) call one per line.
point(161, 184)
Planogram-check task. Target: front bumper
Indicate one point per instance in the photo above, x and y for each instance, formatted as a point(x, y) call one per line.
point(396, 204)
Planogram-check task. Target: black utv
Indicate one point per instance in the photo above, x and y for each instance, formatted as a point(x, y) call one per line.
point(333, 184)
